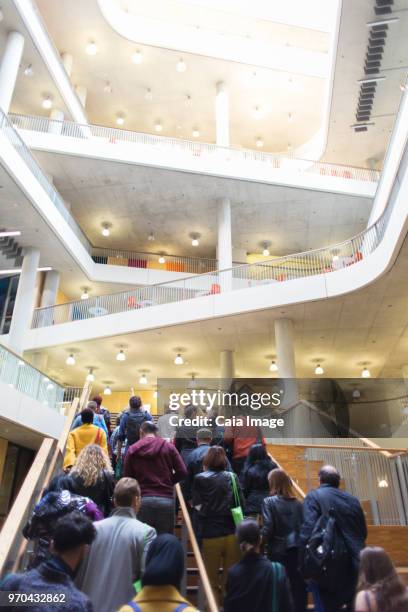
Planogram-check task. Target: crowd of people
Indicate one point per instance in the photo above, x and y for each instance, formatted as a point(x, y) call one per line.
point(102, 534)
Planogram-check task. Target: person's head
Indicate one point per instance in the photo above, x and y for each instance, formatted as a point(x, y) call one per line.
point(378, 573)
point(127, 494)
point(257, 453)
point(329, 475)
point(90, 465)
point(98, 401)
point(190, 412)
point(92, 406)
point(249, 536)
point(87, 416)
point(164, 562)
point(215, 459)
point(280, 483)
point(148, 428)
point(204, 436)
point(72, 535)
point(135, 403)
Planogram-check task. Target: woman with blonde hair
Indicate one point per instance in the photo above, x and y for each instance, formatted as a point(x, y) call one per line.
point(282, 516)
point(92, 477)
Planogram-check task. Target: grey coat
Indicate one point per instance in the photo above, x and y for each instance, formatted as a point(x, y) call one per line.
point(115, 560)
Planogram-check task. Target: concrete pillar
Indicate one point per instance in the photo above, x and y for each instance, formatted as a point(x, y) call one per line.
point(222, 116)
point(227, 368)
point(10, 64)
point(285, 352)
point(81, 92)
point(50, 289)
point(224, 247)
point(23, 307)
point(56, 119)
point(67, 62)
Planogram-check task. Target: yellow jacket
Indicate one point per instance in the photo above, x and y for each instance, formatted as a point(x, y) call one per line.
point(79, 438)
point(163, 598)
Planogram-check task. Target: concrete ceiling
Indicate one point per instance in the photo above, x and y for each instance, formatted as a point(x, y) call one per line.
point(137, 200)
point(20, 435)
point(368, 327)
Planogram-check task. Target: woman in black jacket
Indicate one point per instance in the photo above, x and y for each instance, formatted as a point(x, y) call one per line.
point(92, 477)
point(254, 479)
point(282, 516)
point(213, 499)
point(254, 583)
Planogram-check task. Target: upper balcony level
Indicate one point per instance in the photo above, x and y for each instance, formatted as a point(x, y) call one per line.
point(119, 145)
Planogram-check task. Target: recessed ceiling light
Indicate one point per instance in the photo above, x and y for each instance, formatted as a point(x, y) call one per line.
point(158, 126)
point(196, 133)
point(319, 370)
point(90, 376)
point(148, 94)
point(120, 120)
point(107, 391)
point(365, 373)
point(259, 142)
point(137, 57)
point(91, 48)
point(273, 367)
point(47, 102)
point(121, 356)
point(106, 229)
point(178, 360)
point(181, 65)
point(70, 360)
point(85, 294)
point(258, 112)
point(28, 71)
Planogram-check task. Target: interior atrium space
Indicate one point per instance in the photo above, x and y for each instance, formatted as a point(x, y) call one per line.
point(204, 305)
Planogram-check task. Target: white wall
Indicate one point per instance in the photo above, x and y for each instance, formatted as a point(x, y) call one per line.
point(29, 413)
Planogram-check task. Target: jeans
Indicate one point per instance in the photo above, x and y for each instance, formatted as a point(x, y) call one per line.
point(158, 512)
point(219, 553)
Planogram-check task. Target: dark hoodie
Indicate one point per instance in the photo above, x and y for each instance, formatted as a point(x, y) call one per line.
point(156, 465)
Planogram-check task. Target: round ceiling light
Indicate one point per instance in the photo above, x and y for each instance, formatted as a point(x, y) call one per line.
point(90, 376)
point(273, 367)
point(196, 133)
point(121, 356)
point(181, 65)
point(105, 230)
point(91, 48)
point(259, 143)
point(47, 102)
point(70, 360)
point(137, 57)
point(319, 370)
point(85, 294)
point(107, 391)
point(120, 120)
point(178, 359)
point(365, 373)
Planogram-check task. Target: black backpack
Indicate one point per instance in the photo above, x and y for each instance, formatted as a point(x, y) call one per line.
point(133, 423)
point(326, 559)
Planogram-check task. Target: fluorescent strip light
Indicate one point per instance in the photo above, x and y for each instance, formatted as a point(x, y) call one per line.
point(18, 270)
point(371, 24)
point(7, 234)
point(371, 79)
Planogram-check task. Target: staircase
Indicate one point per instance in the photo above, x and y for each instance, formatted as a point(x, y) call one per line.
point(10, 252)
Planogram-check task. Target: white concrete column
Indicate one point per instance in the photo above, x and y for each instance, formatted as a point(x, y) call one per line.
point(81, 92)
point(224, 247)
point(285, 352)
point(67, 62)
point(222, 116)
point(50, 289)
point(10, 64)
point(23, 307)
point(227, 367)
point(56, 117)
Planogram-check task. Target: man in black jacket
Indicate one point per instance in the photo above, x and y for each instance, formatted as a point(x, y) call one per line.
point(351, 523)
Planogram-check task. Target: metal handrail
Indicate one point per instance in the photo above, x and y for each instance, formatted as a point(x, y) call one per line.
point(289, 267)
point(113, 135)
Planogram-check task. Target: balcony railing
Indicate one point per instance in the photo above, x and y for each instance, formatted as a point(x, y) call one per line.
point(7, 130)
point(155, 261)
point(21, 375)
point(205, 151)
point(300, 265)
